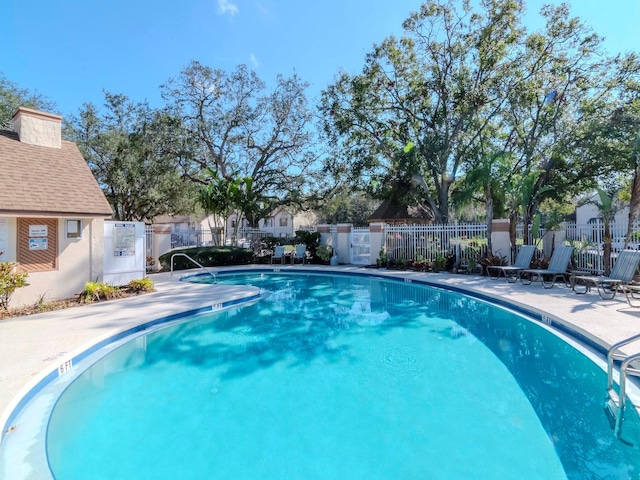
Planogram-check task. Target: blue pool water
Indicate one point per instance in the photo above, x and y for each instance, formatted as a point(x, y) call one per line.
point(340, 378)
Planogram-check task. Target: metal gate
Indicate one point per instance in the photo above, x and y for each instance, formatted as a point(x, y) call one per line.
point(360, 246)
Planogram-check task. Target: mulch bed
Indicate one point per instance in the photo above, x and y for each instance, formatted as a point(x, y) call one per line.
point(53, 305)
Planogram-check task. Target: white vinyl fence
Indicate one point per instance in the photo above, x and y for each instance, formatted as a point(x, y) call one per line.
point(588, 240)
point(460, 243)
point(463, 242)
point(435, 242)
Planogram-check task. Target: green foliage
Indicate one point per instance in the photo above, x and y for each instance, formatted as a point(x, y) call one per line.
point(466, 81)
point(208, 257)
point(487, 259)
point(139, 285)
point(310, 239)
point(345, 206)
point(437, 87)
point(382, 260)
point(247, 132)
point(325, 252)
point(139, 156)
point(10, 281)
point(98, 291)
point(439, 263)
point(270, 241)
point(12, 97)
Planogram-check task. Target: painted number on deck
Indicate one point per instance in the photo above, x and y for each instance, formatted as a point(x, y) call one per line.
point(407, 280)
point(546, 320)
point(216, 306)
point(65, 367)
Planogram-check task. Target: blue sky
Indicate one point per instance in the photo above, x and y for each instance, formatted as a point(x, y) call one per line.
point(70, 50)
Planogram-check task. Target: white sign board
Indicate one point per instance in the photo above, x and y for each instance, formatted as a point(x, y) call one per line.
point(38, 244)
point(124, 239)
point(4, 238)
point(38, 231)
point(124, 252)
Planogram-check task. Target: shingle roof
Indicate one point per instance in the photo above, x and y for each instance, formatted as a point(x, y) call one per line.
point(37, 180)
point(390, 212)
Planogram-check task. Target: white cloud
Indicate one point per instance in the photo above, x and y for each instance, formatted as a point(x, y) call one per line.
point(225, 6)
point(254, 61)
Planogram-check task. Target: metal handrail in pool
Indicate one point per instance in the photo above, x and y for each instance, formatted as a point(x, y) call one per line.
point(195, 262)
point(615, 403)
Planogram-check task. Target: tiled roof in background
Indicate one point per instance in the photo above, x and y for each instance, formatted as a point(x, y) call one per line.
point(36, 180)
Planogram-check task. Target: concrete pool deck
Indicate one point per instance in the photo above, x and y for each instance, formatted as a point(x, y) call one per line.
point(34, 344)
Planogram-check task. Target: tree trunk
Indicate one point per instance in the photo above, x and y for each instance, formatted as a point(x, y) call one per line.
point(443, 199)
point(489, 210)
point(513, 225)
point(606, 247)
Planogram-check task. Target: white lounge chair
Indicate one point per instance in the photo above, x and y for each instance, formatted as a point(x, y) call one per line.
point(620, 277)
point(278, 253)
point(557, 268)
point(299, 254)
point(510, 272)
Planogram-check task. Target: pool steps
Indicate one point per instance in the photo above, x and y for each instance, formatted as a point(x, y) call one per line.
point(202, 267)
point(616, 403)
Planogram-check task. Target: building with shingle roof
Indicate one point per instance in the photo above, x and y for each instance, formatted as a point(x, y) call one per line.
point(52, 209)
point(394, 213)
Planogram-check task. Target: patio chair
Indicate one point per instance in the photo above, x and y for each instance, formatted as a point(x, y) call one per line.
point(299, 254)
point(278, 253)
point(621, 275)
point(510, 272)
point(557, 268)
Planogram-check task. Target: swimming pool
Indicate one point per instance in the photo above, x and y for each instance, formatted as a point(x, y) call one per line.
point(340, 377)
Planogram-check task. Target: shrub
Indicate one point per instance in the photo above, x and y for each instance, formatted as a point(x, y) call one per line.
point(208, 257)
point(138, 285)
point(10, 281)
point(325, 252)
point(382, 260)
point(311, 240)
point(270, 241)
point(98, 291)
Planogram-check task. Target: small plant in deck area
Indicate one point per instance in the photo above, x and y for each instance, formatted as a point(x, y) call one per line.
point(40, 304)
point(138, 285)
point(487, 259)
point(381, 262)
point(97, 291)
point(324, 252)
point(439, 263)
point(10, 281)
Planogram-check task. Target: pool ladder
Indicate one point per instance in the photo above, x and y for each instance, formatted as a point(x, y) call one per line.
point(616, 403)
point(195, 263)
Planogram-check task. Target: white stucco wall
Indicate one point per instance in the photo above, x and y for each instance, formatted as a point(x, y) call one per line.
point(79, 261)
point(587, 211)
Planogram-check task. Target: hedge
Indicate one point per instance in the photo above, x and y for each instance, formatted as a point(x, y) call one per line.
point(207, 256)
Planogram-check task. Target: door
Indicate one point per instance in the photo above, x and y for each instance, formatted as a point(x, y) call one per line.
point(360, 247)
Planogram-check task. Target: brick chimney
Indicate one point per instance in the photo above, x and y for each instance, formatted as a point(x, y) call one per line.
point(37, 128)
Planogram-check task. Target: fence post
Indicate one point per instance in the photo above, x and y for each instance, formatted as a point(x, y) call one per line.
point(344, 243)
point(376, 239)
point(325, 234)
point(500, 238)
point(161, 243)
point(553, 239)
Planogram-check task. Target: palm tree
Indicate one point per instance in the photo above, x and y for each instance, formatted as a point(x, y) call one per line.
point(634, 203)
point(217, 198)
point(607, 209)
point(486, 177)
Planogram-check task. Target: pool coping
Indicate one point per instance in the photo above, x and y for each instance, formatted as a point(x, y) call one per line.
point(478, 287)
